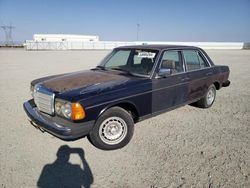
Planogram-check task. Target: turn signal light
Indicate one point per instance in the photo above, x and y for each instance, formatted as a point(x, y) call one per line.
point(78, 112)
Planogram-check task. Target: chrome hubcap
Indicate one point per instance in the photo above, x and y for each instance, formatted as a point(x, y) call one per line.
point(113, 130)
point(210, 96)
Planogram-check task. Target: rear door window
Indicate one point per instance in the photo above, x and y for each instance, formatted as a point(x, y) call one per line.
point(194, 60)
point(203, 63)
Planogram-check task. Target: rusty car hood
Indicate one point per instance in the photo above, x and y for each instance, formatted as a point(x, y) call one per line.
point(82, 79)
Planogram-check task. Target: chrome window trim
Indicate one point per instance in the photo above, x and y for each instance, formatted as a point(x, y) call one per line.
point(197, 53)
point(160, 53)
point(180, 60)
point(110, 55)
point(154, 72)
point(159, 61)
point(185, 72)
point(204, 58)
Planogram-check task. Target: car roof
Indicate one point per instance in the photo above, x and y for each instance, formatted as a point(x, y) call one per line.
point(157, 47)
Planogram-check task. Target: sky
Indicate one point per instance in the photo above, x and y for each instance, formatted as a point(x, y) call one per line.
point(117, 20)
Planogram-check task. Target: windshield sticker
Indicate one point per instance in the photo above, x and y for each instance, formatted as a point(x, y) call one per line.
point(146, 55)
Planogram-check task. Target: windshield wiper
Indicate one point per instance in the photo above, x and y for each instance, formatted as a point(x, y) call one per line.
point(128, 72)
point(122, 70)
point(101, 67)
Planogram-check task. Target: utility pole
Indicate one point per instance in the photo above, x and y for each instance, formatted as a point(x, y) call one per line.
point(8, 34)
point(137, 29)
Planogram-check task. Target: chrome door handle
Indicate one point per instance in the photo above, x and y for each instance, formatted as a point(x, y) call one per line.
point(209, 73)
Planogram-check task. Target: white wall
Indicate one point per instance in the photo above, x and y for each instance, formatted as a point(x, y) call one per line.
point(108, 45)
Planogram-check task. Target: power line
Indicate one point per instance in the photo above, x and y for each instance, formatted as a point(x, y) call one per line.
point(8, 34)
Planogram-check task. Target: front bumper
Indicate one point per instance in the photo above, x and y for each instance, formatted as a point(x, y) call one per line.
point(56, 126)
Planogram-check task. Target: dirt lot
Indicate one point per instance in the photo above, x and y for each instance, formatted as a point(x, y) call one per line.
point(187, 147)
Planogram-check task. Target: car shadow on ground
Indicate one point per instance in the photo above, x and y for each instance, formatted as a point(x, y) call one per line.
point(62, 173)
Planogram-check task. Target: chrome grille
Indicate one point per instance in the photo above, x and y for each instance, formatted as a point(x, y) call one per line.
point(44, 99)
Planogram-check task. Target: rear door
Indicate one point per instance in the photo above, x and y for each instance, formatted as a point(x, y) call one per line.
point(171, 90)
point(199, 72)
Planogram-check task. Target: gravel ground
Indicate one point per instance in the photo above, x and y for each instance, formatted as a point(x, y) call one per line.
point(187, 147)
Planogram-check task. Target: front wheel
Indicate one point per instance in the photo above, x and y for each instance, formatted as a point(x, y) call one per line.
point(208, 100)
point(112, 130)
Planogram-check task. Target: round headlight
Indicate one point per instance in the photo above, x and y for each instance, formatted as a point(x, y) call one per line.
point(66, 110)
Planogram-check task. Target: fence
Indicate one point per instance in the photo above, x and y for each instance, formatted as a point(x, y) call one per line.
point(108, 45)
point(33, 45)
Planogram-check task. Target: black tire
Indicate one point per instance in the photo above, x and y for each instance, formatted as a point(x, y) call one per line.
point(205, 102)
point(114, 119)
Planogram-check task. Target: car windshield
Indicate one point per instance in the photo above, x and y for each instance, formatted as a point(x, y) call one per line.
point(138, 62)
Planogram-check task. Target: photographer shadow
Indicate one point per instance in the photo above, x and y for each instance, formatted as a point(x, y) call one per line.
point(62, 173)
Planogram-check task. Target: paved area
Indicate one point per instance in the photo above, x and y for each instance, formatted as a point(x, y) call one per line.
point(187, 147)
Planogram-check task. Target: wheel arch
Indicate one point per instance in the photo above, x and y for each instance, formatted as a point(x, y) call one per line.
point(126, 105)
point(217, 85)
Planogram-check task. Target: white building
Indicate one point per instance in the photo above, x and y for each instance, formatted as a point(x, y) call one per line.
point(91, 42)
point(64, 38)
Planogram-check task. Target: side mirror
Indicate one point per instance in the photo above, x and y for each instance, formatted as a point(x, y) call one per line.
point(163, 73)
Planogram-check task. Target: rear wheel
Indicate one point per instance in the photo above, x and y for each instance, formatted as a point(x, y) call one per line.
point(113, 129)
point(208, 100)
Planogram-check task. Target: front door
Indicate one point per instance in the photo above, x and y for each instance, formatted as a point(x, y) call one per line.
point(170, 90)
